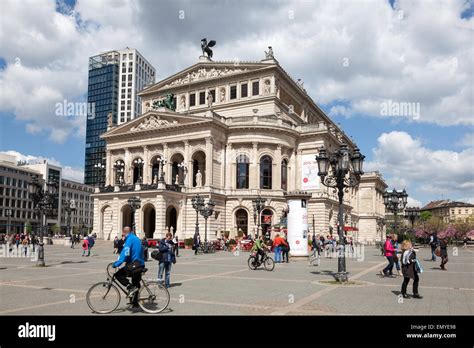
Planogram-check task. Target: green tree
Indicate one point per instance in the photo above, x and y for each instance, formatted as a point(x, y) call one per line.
point(28, 227)
point(425, 215)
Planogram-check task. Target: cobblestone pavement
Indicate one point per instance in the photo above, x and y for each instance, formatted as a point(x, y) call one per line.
point(222, 284)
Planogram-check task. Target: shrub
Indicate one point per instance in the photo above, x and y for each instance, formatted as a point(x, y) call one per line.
point(188, 241)
point(232, 241)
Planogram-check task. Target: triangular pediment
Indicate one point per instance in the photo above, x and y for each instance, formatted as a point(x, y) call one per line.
point(154, 120)
point(205, 71)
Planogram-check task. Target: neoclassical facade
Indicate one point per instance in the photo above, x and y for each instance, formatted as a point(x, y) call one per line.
point(231, 132)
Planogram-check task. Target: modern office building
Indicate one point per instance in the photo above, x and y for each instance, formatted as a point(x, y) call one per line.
point(115, 78)
point(16, 207)
point(82, 216)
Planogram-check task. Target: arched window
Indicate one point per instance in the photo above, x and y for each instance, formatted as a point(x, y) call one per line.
point(242, 172)
point(284, 175)
point(241, 220)
point(266, 172)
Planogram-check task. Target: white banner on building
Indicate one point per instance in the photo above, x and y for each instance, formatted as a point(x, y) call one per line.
point(309, 173)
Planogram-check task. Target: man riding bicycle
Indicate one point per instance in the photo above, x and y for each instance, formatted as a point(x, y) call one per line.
point(132, 255)
point(260, 248)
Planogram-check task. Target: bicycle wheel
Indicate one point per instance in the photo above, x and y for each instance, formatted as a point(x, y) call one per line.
point(269, 264)
point(110, 270)
point(103, 298)
point(153, 297)
point(252, 262)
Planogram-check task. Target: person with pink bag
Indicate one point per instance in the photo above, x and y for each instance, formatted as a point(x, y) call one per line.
point(389, 251)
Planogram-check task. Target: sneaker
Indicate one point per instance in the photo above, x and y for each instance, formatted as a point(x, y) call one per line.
point(404, 295)
point(417, 296)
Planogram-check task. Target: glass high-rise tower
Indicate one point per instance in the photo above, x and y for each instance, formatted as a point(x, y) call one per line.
point(115, 78)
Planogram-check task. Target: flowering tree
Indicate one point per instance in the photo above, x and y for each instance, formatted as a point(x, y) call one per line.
point(450, 232)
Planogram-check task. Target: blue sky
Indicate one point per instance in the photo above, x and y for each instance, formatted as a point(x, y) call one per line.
point(416, 62)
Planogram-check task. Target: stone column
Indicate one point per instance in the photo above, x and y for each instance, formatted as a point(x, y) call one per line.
point(127, 167)
point(292, 172)
point(254, 172)
point(146, 166)
point(229, 160)
point(276, 175)
point(186, 160)
point(108, 169)
point(298, 169)
point(209, 161)
point(166, 167)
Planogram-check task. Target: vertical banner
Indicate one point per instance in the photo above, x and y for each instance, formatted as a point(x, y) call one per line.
point(298, 227)
point(309, 172)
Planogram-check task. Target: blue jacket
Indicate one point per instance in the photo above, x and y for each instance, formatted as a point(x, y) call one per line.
point(167, 252)
point(132, 251)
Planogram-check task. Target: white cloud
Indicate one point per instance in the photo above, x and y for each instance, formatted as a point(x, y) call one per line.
point(420, 52)
point(411, 202)
point(68, 172)
point(405, 162)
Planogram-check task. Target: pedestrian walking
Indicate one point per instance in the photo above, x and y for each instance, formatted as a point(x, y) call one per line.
point(17, 240)
point(145, 248)
point(85, 247)
point(465, 242)
point(285, 249)
point(25, 242)
point(167, 258)
point(410, 269)
point(277, 248)
point(115, 245)
point(73, 239)
point(91, 243)
point(396, 261)
point(388, 251)
point(434, 242)
point(34, 241)
point(443, 245)
point(176, 244)
point(196, 243)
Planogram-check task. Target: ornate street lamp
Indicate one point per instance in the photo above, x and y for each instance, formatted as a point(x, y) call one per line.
point(412, 214)
point(134, 203)
point(258, 205)
point(198, 204)
point(139, 164)
point(69, 207)
point(207, 211)
point(395, 201)
point(43, 201)
point(340, 170)
point(119, 167)
point(9, 214)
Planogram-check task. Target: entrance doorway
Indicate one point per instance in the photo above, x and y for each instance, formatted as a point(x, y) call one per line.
point(149, 219)
point(172, 218)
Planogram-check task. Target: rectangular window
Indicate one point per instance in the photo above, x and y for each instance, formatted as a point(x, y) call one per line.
point(233, 92)
point(244, 90)
point(202, 98)
point(242, 175)
point(255, 88)
point(192, 99)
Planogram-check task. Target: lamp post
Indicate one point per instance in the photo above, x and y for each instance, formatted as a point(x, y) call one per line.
point(99, 168)
point(43, 202)
point(139, 164)
point(198, 204)
point(9, 214)
point(340, 170)
point(134, 203)
point(119, 168)
point(207, 211)
point(258, 205)
point(69, 207)
point(412, 213)
point(395, 201)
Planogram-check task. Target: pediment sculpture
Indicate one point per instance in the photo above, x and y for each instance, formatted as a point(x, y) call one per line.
point(152, 122)
point(203, 74)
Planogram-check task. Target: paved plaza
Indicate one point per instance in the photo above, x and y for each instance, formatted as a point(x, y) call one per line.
point(222, 284)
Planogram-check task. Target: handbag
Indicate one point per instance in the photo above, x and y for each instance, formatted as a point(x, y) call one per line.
point(418, 266)
point(438, 251)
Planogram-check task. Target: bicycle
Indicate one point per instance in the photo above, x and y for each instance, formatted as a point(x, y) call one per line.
point(153, 297)
point(206, 248)
point(254, 262)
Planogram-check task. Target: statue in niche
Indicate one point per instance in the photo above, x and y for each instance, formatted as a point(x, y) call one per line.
point(183, 102)
point(155, 179)
point(210, 99)
point(198, 178)
point(176, 181)
point(266, 87)
point(222, 95)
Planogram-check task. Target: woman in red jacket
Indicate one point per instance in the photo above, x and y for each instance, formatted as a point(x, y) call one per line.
point(389, 252)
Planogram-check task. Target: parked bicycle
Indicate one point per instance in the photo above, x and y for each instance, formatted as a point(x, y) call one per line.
point(254, 262)
point(206, 248)
point(104, 297)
